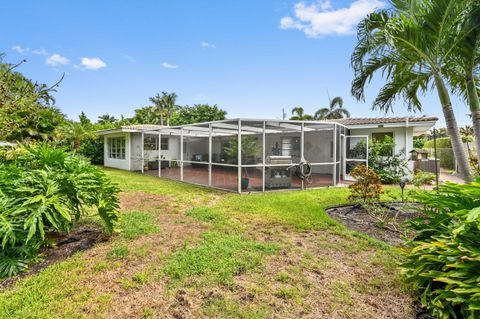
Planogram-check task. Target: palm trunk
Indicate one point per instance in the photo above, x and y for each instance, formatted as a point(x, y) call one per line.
point(475, 109)
point(452, 129)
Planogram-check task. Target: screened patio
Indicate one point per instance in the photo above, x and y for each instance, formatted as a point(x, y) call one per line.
point(268, 158)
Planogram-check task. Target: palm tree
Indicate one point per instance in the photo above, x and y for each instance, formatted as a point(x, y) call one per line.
point(76, 133)
point(335, 111)
point(157, 100)
point(410, 45)
point(463, 64)
point(300, 114)
point(106, 118)
point(169, 104)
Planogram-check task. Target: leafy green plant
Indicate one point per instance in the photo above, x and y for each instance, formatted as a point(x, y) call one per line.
point(367, 187)
point(422, 178)
point(43, 190)
point(443, 259)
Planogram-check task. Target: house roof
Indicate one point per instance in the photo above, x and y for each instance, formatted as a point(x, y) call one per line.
point(131, 128)
point(383, 120)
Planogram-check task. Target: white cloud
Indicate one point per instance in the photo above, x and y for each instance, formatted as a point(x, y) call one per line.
point(19, 49)
point(40, 52)
point(170, 66)
point(92, 63)
point(208, 45)
point(57, 59)
point(319, 19)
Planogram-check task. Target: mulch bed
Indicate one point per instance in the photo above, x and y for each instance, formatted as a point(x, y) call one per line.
point(358, 218)
point(81, 238)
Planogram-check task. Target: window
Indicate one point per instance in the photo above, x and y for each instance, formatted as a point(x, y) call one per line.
point(164, 143)
point(387, 142)
point(150, 143)
point(116, 147)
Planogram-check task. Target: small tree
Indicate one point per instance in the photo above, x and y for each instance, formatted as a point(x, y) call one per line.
point(367, 188)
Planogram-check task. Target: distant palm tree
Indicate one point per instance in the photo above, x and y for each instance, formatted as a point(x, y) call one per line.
point(169, 104)
point(157, 100)
point(300, 114)
point(165, 105)
point(335, 111)
point(76, 133)
point(106, 118)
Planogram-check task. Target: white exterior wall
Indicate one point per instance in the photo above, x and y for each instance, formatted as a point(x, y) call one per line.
point(115, 162)
point(172, 153)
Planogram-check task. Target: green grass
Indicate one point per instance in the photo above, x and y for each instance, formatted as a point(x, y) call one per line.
point(136, 224)
point(218, 258)
point(237, 243)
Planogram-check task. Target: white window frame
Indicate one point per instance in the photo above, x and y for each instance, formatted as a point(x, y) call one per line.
point(117, 147)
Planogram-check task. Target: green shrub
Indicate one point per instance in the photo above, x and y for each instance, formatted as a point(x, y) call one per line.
point(443, 259)
point(42, 190)
point(443, 142)
point(367, 187)
point(422, 178)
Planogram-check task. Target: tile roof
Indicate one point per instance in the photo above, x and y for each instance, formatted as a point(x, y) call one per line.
point(383, 120)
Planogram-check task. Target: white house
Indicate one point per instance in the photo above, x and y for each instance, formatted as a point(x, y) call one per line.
point(206, 153)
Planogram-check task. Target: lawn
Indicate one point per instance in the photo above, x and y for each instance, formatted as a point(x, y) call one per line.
point(191, 252)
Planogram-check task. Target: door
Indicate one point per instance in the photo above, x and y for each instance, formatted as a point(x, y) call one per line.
point(355, 152)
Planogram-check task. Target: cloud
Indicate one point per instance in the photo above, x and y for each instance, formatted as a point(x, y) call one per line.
point(19, 49)
point(170, 66)
point(130, 58)
point(92, 63)
point(57, 59)
point(208, 45)
point(319, 19)
point(40, 52)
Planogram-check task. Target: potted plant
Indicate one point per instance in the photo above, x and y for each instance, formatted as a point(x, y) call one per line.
point(249, 151)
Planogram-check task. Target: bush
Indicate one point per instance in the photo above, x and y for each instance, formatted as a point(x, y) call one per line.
point(422, 178)
point(367, 187)
point(443, 258)
point(43, 190)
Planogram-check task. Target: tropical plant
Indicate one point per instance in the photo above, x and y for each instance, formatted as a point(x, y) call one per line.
point(422, 178)
point(106, 118)
point(442, 260)
point(334, 111)
point(165, 105)
point(299, 114)
point(26, 108)
point(45, 190)
point(250, 149)
point(197, 113)
point(75, 133)
point(410, 44)
point(367, 188)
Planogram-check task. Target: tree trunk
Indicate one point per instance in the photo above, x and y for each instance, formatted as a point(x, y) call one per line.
point(452, 128)
point(475, 109)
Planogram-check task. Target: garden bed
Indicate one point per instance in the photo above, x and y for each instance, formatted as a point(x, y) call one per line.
point(386, 226)
point(79, 239)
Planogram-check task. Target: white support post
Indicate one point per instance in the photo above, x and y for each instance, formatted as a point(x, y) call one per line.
point(302, 148)
point(159, 154)
point(263, 156)
point(366, 156)
point(335, 154)
point(239, 157)
point(210, 154)
point(181, 154)
point(142, 148)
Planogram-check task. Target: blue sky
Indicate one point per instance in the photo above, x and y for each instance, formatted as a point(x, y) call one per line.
point(250, 57)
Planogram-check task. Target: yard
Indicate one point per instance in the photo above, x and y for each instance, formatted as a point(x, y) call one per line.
point(189, 252)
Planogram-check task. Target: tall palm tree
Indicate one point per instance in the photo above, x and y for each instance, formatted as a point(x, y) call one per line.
point(157, 101)
point(300, 114)
point(335, 111)
point(169, 104)
point(463, 64)
point(410, 45)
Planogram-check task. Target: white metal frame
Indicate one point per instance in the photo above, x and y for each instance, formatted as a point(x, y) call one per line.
point(237, 127)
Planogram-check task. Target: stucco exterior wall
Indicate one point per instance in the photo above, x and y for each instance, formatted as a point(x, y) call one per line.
point(115, 162)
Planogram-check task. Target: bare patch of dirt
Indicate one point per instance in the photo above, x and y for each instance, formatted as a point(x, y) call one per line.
point(387, 228)
point(65, 245)
point(141, 201)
